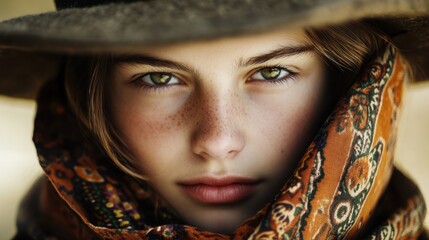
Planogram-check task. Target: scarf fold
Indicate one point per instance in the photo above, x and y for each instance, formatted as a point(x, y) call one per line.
point(345, 186)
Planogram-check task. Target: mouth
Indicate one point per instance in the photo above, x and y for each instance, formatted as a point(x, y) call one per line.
point(225, 190)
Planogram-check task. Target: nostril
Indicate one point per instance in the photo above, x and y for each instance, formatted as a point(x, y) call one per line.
point(218, 146)
point(216, 155)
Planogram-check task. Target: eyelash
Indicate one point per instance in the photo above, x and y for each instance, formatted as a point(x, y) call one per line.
point(138, 81)
point(291, 75)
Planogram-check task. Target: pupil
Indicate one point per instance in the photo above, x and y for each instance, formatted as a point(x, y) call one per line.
point(270, 73)
point(160, 78)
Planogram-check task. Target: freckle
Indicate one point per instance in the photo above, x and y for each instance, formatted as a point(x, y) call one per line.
point(167, 127)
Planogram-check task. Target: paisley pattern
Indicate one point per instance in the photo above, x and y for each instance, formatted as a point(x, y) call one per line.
point(344, 186)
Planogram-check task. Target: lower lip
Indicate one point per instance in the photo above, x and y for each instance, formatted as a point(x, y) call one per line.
point(223, 194)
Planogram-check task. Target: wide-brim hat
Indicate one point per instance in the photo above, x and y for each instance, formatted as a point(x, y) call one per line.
point(37, 42)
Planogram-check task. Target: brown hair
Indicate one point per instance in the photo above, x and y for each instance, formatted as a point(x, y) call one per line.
point(85, 87)
point(344, 48)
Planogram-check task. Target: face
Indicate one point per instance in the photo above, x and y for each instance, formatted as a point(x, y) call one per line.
point(218, 126)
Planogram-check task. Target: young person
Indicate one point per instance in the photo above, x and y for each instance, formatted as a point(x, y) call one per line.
point(278, 132)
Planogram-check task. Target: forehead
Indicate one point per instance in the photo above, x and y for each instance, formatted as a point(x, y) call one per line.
point(243, 46)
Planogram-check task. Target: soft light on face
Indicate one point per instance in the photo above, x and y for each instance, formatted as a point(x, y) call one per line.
point(219, 126)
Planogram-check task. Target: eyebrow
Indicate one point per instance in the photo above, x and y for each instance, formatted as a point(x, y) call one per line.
point(158, 62)
point(278, 53)
point(149, 60)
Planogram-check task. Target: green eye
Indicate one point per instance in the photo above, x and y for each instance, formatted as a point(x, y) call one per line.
point(271, 73)
point(160, 78)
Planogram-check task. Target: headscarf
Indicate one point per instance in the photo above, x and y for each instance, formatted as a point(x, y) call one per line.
point(345, 186)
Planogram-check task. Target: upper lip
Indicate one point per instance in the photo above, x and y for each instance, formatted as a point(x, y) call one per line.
point(218, 181)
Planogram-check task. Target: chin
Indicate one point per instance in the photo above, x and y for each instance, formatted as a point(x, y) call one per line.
point(221, 227)
point(219, 221)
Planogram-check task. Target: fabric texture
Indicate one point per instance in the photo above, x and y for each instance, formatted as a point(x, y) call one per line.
point(345, 187)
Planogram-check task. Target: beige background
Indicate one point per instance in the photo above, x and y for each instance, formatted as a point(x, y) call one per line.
point(18, 161)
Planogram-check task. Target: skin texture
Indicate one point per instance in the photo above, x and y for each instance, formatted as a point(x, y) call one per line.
point(217, 118)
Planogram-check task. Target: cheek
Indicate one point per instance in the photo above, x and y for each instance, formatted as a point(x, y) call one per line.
point(289, 116)
point(287, 133)
point(151, 136)
point(287, 123)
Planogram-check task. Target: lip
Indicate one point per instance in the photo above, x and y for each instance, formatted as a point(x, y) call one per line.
point(225, 190)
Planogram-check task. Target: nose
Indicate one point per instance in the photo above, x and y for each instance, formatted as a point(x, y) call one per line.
point(217, 134)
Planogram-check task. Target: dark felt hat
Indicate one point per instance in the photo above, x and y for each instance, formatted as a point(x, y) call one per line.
point(82, 26)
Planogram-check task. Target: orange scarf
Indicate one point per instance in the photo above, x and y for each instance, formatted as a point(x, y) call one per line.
point(344, 187)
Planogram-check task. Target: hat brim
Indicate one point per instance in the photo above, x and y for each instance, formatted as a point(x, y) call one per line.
point(129, 26)
point(120, 26)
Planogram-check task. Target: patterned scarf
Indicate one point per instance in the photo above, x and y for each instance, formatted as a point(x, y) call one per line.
point(344, 187)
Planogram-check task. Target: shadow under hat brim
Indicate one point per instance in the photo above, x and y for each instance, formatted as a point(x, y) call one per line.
point(129, 26)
